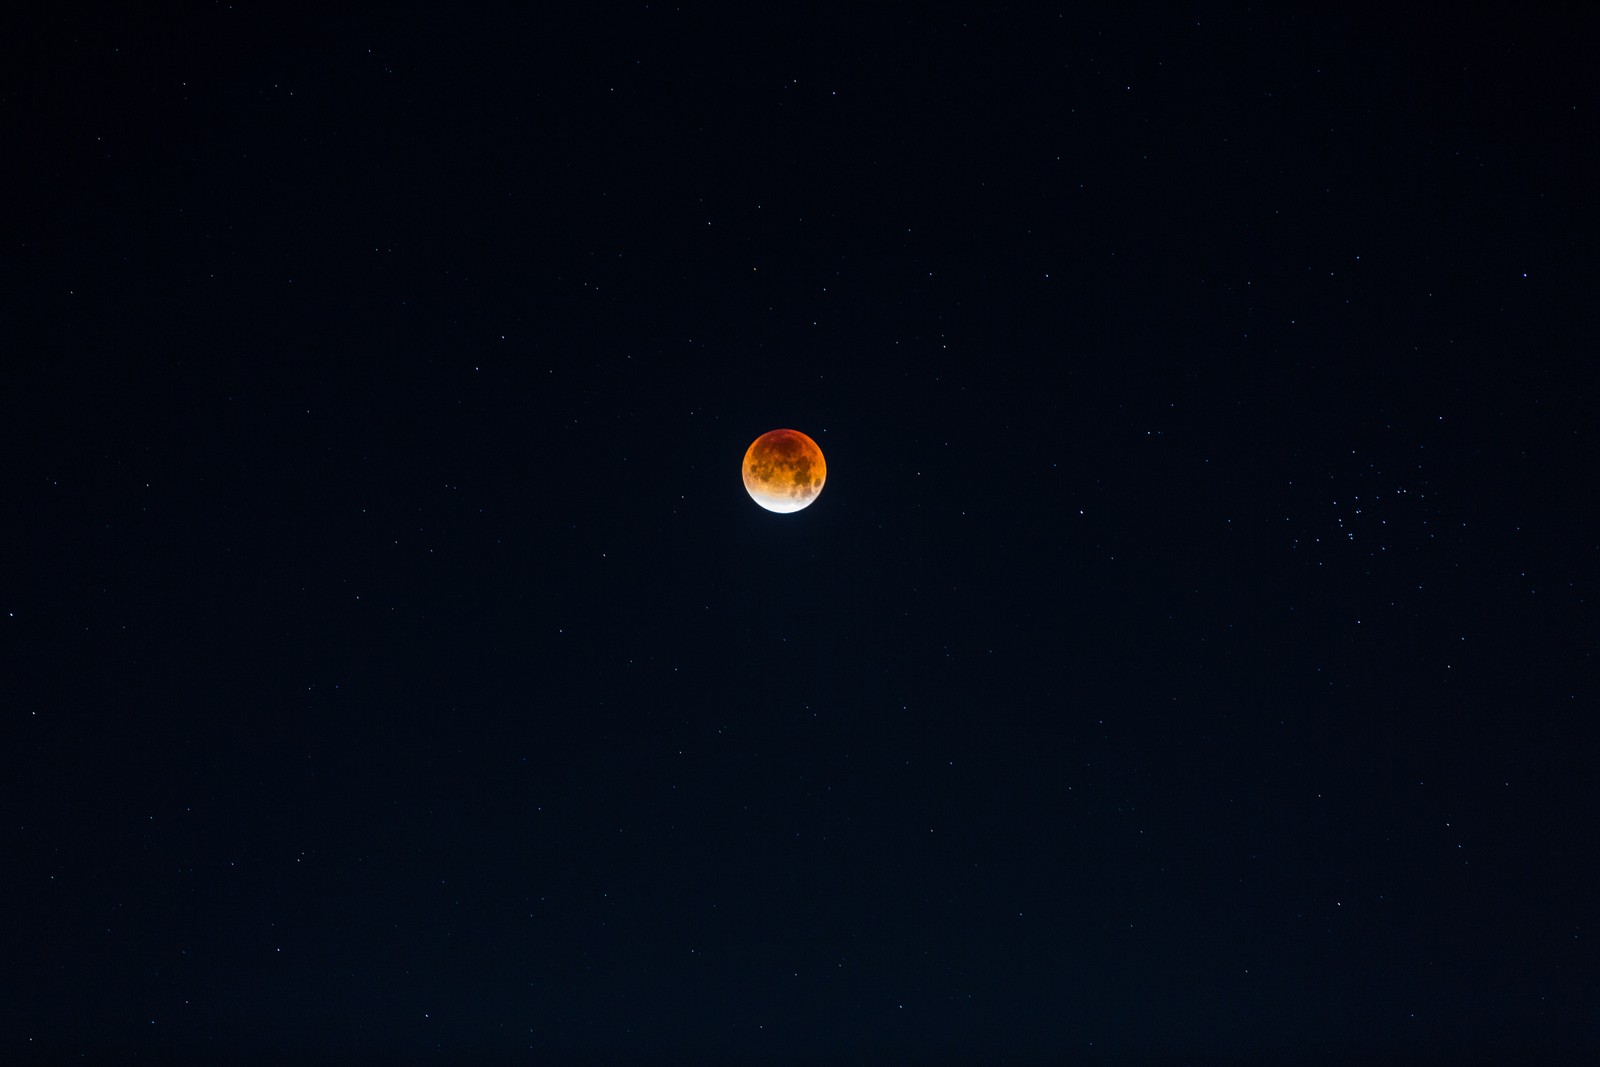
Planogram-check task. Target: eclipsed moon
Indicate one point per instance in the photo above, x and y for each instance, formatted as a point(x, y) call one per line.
point(784, 470)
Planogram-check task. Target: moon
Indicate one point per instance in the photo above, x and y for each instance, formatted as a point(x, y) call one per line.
point(784, 470)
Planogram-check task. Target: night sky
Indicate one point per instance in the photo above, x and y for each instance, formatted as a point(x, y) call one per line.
point(1190, 659)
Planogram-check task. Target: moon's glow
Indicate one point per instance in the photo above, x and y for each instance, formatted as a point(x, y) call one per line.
point(784, 470)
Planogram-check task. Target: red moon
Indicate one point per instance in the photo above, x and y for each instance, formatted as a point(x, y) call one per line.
point(784, 470)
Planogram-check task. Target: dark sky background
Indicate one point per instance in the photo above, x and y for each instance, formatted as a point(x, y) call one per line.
point(1191, 658)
